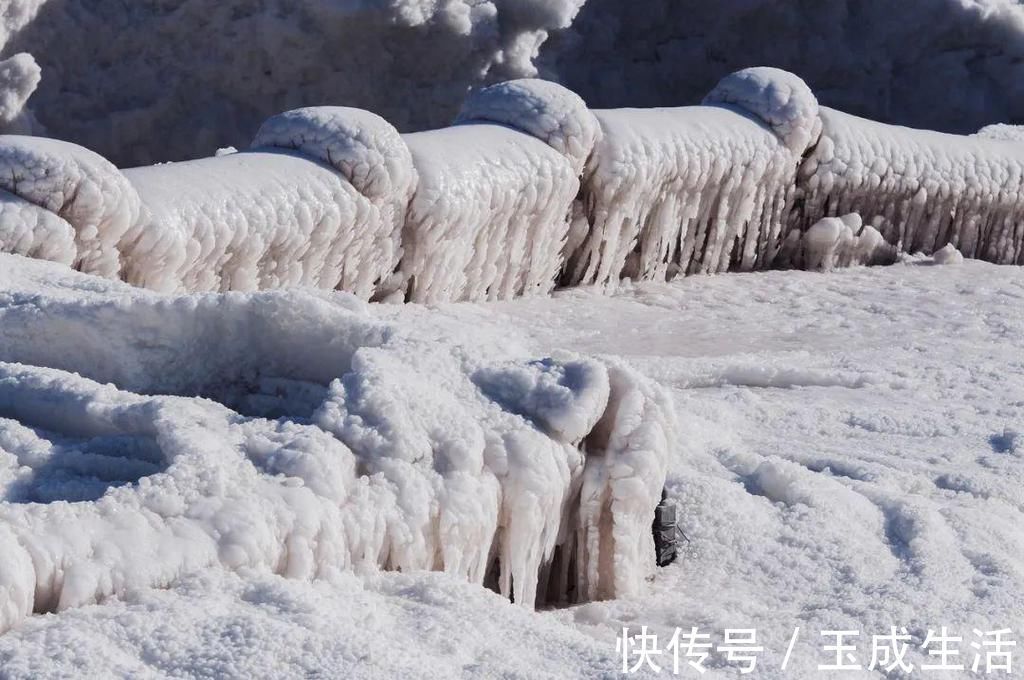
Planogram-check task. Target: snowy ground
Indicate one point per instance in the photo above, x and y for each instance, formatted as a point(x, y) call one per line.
point(848, 458)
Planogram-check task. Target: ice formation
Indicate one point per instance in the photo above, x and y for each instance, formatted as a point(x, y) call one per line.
point(275, 216)
point(528, 189)
point(80, 189)
point(493, 204)
point(342, 440)
point(921, 189)
point(892, 61)
point(1008, 133)
point(834, 242)
point(696, 189)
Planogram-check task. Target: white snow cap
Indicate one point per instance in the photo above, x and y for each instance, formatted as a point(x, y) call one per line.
point(79, 186)
point(948, 254)
point(361, 145)
point(545, 110)
point(19, 77)
point(1003, 132)
point(779, 98)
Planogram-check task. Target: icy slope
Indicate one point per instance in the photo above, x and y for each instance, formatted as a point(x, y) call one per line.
point(402, 444)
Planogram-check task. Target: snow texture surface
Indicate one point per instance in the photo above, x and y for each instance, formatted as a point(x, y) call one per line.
point(920, 189)
point(799, 399)
point(329, 438)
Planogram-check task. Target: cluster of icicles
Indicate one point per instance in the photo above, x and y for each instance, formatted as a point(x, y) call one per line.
point(528, 190)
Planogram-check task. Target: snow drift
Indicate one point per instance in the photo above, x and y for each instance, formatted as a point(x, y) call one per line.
point(920, 189)
point(697, 189)
point(493, 204)
point(330, 438)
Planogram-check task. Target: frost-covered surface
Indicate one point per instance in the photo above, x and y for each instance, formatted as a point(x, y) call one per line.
point(77, 186)
point(852, 453)
point(780, 99)
point(1007, 133)
point(921, 189)
point(680, 191)
point(256, 220)
point(545, 110)
point(489, 217)
point(494, 201)
point(834, 242)
point(849, 458)
point(346, 438)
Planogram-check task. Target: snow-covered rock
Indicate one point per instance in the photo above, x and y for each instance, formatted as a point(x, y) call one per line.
point(546, 110)
point(494, 201)
point(331, 437)
point(319, 202)
point(834, 242)
point(695, 189)
point(80, 188)
point(922, 189)
point(947, 254)
point(779, 98)
point(19, 77)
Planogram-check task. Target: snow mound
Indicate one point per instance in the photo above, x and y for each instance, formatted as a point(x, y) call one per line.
point(19, 77)
point(423, 444)
point(361, 145)
point(551, 113)
point(947, 254)
point(1002, 131)
point(680, 191)
point(779, 98)
point(922, 189)
point(489, 216)
point(835, 242)
point(81, 188)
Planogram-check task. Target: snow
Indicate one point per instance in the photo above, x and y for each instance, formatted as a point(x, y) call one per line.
point(274, 217)
point(779, 98)
point(81, 188)
point(546, 110)
point(947, 254)
point(671, 191)
point(19, 77)
point(492, 208)
point(305, 434)
point(839, 462)
point(833, 242)
point(1008, 133)
point(921, 189)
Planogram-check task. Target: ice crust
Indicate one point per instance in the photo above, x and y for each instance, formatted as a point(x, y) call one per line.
point(529, 189)
point(330, 438)
point(920, 189)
